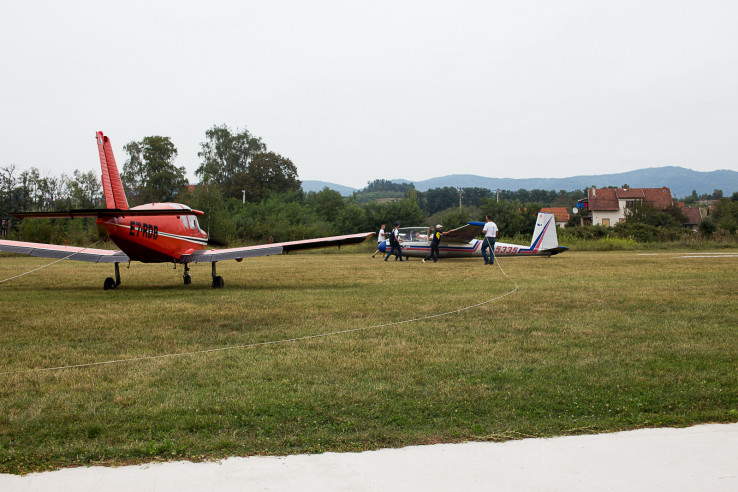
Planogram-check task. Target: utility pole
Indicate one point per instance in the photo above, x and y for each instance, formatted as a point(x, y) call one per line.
point(461, 192)
point(498, 195)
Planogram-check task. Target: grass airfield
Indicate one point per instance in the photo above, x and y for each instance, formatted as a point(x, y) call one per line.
point(590, 342)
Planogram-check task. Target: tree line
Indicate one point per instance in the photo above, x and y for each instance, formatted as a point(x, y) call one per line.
point(251, 195)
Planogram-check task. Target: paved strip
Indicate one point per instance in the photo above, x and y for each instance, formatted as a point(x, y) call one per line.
point(687, 459)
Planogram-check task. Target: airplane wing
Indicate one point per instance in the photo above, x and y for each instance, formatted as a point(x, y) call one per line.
point(273, 249)
point(63, 252)
point(211, 255)
point(465, 233)
point(323, 242)
point(104, 212)
point(207, 255)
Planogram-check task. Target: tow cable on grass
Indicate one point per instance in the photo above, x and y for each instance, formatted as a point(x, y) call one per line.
point(272, 342)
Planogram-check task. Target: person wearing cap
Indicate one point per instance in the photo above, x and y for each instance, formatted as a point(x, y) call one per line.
point(490, 236)
point(394, 239)
point(435, 240)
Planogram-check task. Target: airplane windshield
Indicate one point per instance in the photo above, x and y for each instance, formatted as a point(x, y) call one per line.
point(413, 233)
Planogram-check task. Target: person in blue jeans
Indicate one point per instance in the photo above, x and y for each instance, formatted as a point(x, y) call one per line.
point(490, 236)
point(394, 239)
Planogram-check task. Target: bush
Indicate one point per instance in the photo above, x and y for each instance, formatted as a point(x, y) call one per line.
point(585, 232)
point(707, 227)
point(78, 232)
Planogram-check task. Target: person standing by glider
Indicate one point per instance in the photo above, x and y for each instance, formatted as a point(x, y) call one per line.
point(380, 240)
point(435, 240)
point(490, 236)
point(394, 240)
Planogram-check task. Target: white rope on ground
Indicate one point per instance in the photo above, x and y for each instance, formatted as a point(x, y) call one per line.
point(52, 263)
point(271, 342)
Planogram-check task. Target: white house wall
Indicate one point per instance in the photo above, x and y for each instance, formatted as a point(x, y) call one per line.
point(613, 215)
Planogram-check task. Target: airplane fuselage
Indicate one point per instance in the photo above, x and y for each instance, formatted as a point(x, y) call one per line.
point(155, 238)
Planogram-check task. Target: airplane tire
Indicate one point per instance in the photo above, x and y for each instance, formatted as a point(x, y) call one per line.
point(109, 284)
point(187, 279)
point(218, 282)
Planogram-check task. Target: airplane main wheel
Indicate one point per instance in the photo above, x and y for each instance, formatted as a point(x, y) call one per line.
point(218, 282)
point(109, 283)
point(187, 279)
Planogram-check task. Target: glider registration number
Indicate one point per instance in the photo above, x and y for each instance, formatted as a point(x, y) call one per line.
point(145, 230)
point(506, 250)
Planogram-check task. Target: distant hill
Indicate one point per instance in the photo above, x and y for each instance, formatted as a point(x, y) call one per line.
point(680, 180)
point(308, 186)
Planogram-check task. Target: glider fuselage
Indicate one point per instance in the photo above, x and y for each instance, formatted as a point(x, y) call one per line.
point(462, 242)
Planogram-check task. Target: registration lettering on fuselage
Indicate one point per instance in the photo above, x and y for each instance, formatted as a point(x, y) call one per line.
point(144, 230)
point(507, 250)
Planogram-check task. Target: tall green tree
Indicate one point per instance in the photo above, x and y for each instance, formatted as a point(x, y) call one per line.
point(8, 182)
point(437, 199)
point(83, 189)
point(149, 174)
point(511, 217)
point(406, 211)
point(217, 221)
point(725, 215)
point(639, 211)
point(226, 156)
point(270, 173)
point(326, 203)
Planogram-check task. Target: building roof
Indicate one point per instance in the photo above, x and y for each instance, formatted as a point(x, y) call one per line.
point(561, 214)
point(693, 215)
point(608, 199)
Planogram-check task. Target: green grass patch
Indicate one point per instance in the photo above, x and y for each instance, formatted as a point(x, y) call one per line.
point(591, 342)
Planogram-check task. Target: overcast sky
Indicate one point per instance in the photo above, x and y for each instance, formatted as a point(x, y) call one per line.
point(355, 91)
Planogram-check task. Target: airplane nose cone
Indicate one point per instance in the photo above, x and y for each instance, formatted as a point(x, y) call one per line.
point(382, 246)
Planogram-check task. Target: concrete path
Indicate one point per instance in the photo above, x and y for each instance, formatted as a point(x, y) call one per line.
point(700, 458)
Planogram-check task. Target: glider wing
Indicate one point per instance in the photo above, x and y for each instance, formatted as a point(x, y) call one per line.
point(464, 233)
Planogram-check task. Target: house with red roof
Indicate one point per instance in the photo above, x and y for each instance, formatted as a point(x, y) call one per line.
point(608, 205)
point(561, 214)
point(694, 216)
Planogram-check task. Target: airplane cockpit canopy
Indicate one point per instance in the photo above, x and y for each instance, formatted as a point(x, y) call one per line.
point(413, 233)
point(190, 222)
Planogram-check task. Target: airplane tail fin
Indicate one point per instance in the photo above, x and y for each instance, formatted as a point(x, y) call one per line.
point(544, 235)
point(115, 196)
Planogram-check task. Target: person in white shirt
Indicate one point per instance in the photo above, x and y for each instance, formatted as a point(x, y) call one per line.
point(380, 239)
point(490, 236)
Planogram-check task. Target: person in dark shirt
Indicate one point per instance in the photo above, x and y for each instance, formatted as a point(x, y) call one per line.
point(394, 240)
point(435, 240)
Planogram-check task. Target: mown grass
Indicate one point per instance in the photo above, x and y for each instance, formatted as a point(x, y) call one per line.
point(591, 342)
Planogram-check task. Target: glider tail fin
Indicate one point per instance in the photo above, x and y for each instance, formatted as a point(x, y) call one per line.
point(115, 196)
point(544, 235)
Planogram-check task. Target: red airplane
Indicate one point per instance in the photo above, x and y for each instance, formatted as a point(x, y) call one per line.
point(152, 233)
